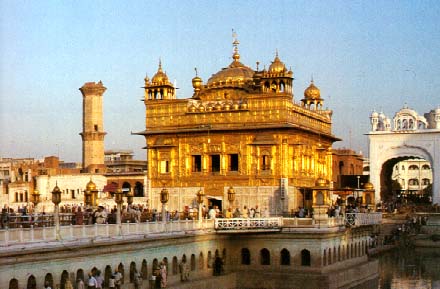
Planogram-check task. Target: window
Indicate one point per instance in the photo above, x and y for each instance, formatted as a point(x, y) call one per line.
point(196, 163)
point(413, 182)
point(233, 162)
point(164, 167)
point(245, 256)
point(305, 258)
point(215, 163)
point(285, 257)
point(265, 163)
point(96, 127)
point(426, 182)
point(413, 167)
point(265, 256)
point(426, 167)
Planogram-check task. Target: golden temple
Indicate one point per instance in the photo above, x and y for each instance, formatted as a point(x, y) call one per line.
point(241, 129)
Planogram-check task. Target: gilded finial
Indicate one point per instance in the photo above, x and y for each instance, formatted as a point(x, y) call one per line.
point(235, 43)
point(160, 64)
point(195, 68)
point(258, 63)
point(311, 78)
point(276, 53)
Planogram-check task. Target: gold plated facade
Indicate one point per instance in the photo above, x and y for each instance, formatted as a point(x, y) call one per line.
point(241, 129)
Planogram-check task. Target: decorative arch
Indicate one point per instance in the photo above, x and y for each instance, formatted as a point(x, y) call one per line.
point(175, 266)
point(389, 147)
point(144, 269)
point(155, 266)
point(245, 256)
point(13, 284)
point(209, 259)
point(107, 274)
point(132, 271)
point(305, 258)
point(121, 270)
point(138, 189)
point(264, 257)
point(201, 262)
point(48, 280)
point(285, 257)
point(64, 277)
point(193, 262)
point(79, 275)
point(31, 283)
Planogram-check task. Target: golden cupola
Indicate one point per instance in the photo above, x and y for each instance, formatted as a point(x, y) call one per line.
point(312, 97)
point(160, 77)
point(312, 92)
point(91, 186)
point(277, 65)
point(159, 87)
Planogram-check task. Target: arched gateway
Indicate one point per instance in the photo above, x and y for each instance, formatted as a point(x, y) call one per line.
point(412, 136)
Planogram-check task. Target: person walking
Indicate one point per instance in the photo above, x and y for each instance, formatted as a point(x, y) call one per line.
point(91, 283)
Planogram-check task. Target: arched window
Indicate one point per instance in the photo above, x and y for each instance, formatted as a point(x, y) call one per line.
point(413, 182)
point(426, 182)
point(107, 275)
point(31, 283)
point(329, 259)
point(165, 261)
point(126, 187)
point(413, 167)
point(175, 266)
point(64, 277)
point(285, 257)
point(144, 269)
point(48, 280)
point(79, 275)
point(132, 271)
point(305, 257)
point(201, 263)
point(13, 284)
point(209, 259)
point(193, 262)
point(426, 167)
point(264, 257)
point(121, 270)
point(155, 267)
point(245, 256)
point(139, 189)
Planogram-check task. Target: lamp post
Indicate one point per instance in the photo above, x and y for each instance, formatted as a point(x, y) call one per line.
point(35, 199)
point(56, 199)
point(130, 197)
point(164, 195)
point(200, 196)
point(119, 200)
point(231, 196)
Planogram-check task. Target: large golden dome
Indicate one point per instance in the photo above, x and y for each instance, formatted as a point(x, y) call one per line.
point(235, 72)
point(277, 65)
point(160, 76)
point(312, 92)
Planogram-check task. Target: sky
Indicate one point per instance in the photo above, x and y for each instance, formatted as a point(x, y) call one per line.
point(363, 55)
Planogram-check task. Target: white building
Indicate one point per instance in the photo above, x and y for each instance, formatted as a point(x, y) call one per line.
point(413, 175)
point(407, 136)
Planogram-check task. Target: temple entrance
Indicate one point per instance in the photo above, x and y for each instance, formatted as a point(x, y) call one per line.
point(215, 202)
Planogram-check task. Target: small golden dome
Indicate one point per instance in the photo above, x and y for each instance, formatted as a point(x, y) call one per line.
point(218, 106)
point(56, 189)
point(192, 108)
point(312, 92)
point(197, 82)
point(244, 105)
point(321, 182)
point(90, 186)
point(368, 186)
point(201, 108)
point(277, 65)
point(160, 76)
point(227, 106)
point(236, 105)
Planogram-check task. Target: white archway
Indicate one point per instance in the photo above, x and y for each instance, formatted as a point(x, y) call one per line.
point(388, 145)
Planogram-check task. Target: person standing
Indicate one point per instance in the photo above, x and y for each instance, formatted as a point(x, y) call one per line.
point(111, 282)
point(91, 283)
point(163, 275)
point(99, 280)
point(118, 279)
point(245, 212)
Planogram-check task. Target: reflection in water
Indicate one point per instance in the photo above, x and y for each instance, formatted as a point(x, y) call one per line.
point(410, 269)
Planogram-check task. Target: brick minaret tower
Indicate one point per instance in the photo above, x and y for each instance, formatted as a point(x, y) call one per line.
point(93, 129)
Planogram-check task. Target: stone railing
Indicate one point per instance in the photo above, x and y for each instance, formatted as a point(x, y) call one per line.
point(363, 219)
point(248, 224)
point(98, 231)
point(313, 223)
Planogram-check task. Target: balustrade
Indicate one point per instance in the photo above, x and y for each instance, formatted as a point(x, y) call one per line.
point(41, 233)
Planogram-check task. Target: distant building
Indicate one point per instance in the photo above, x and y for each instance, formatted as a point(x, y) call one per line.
point(346, 162)
point(413, 175)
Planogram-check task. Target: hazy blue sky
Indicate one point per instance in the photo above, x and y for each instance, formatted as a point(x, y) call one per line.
point(363, 55)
